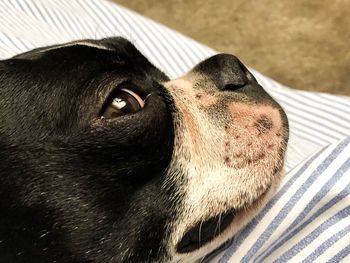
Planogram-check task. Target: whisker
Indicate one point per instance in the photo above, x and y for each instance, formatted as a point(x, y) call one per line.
point(199, 233)
point(218, 225)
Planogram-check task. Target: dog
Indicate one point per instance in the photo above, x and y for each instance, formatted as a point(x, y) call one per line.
point(105, 159)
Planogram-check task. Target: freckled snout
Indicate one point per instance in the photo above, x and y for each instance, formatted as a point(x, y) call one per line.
point(226, 71)
point(230, 140)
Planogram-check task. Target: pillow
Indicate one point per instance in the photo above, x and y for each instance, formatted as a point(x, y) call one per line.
point(308, 218)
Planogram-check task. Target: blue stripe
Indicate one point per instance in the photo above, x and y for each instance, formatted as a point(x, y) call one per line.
point(49, 16)
point(286, 97)
point(179, 68)
point(25, 45)
point(66, 24)
point(343, 194)
point(342, 254)
point(290, 232)
point(170, 41)
point(313, 131)
point(327, 244)
point(82, 26)
point(96, 16)
point(204, 50)
point(336, 100)
point(291, 99)
point(314, 234)
point(293, 200)
point(197, 52)
point(38, 9)
point(107, 17)
point(115, 25)
point(317, 198)
point(24, 4)
point(58, 19)
point(9, 39)
point(160, 45)
point(184, 46)
point(109, 20)
point(110, 24)
point(27, 9)
point(151, 45)
point(331, 126)
point(16, 21)
point(237, 241)
point(181, 59)
point(317, 97)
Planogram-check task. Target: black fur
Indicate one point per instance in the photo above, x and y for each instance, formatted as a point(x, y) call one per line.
point(75, 187)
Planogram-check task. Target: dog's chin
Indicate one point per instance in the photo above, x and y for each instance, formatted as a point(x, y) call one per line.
point(208, 234)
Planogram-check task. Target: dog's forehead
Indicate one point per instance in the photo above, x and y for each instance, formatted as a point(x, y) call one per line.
point(63, 86)
point(39, 51)
point(79, 60)
point(116, 44)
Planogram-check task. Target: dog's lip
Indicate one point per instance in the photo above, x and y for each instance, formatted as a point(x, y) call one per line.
point(205, 231)
point(193, 239)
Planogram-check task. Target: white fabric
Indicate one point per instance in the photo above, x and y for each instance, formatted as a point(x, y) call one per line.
point(302, 221)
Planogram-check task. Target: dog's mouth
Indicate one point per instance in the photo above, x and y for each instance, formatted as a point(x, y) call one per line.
point(204, 231)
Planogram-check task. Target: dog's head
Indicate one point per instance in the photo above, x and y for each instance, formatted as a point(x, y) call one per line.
point(104, 159)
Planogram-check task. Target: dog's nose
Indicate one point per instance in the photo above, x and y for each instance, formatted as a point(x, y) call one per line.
point(226, 71)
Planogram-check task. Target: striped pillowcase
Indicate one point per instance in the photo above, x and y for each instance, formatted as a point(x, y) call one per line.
point(307, 220)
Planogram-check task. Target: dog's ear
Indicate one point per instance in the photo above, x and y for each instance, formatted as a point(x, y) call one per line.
point(17, 102)
point(4, 101)
point(8, 97)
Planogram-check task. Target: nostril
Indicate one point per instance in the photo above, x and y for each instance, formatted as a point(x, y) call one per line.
point(235, 76)
point(234, 87)
point(226, 71)
point(233, 73)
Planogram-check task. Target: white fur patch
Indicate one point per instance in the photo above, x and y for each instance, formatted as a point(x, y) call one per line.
point(75, 43)
point(231, 163)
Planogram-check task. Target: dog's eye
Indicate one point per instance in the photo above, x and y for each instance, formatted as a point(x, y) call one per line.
point(123, 102)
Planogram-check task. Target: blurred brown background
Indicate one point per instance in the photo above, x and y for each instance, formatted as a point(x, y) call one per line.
point(303, 44)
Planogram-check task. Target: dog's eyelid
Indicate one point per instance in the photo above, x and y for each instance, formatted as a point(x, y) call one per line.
point(136, 96)
point(122, 101)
